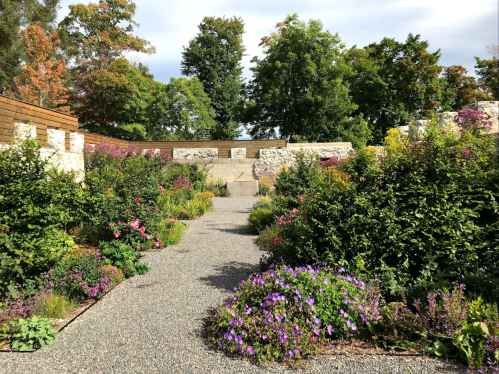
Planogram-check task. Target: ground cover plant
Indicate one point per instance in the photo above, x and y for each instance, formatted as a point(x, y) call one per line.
point(286, 314)
point(425, 216)
point(63, 242)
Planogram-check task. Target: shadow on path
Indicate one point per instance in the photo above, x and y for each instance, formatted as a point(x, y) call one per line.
point(228, 275)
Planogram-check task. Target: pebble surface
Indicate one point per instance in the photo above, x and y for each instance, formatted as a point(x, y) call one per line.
point(154, 323)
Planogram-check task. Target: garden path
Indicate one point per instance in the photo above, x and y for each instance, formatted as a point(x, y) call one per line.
point(154, 323)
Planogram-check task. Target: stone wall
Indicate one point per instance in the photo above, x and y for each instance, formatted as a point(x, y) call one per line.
point(226, 168)
point(194, 153)
point(238, 153)
point(56, 149)
point(271, 160)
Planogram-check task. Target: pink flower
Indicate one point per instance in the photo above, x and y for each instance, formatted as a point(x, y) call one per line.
point(156, 244)
point(149, 237)
point(288, 222)
point(142, 229)
point(126, 230)
point(124, 212)
point(116, 235)
point(162, 244)
point(123, 223)
point(143, 234)
point(300, 198)
point(304, 215)
point(277, 241)
point(135, 224)
point(173, 221)
point(138, 248)
point(137, 199)
point(158, 235)
point(147, 209)
point(111, 225)
point(156, 209)
point(161, 188)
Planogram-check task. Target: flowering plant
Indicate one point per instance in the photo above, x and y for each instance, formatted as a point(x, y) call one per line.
point(286, 314)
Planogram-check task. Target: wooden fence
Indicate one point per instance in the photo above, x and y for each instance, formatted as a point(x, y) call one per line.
point(18, 111)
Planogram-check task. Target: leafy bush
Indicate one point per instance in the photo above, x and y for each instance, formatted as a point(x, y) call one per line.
point(426, 216)
point(267, 239)
point(207, 198)
point(36, 203)
point(196, 175)
point(265, 184)
point(124, 257)
point(259, 219)
point(284, 314)
point(32, 334)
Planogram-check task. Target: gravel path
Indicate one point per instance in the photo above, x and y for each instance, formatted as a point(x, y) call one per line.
point(153, 323)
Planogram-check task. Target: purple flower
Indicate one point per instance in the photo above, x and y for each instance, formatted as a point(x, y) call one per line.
point(349, 323)
point(264, 337)
point(329, 329)
point(278, 318)
point(222, 344)
point(326, 281)
point(250, 349)
point(314, 277)
point(297, 351)
point(291, 353)
point(354, 327)
point(309, 301)
point(316, 332)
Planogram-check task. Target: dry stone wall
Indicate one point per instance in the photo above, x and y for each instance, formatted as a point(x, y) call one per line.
point(194, 153)
point(271, 160)
point(237, 153)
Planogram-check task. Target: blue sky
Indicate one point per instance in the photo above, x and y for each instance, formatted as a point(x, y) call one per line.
point(461, 29)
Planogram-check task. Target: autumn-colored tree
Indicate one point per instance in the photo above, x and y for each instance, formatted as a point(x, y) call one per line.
point(42, 79)
point(98, 35)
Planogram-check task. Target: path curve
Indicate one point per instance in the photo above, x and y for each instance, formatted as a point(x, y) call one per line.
point(154, 323)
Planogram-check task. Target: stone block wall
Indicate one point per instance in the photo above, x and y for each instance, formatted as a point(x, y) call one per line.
point(56, 148)
point(237, 153)
point(194, 153)
point(271, 160)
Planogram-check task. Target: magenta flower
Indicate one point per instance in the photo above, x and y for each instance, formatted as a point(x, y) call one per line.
point(251, 351)
point(329, 329)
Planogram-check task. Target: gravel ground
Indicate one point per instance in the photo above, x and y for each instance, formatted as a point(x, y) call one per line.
point(153, 323)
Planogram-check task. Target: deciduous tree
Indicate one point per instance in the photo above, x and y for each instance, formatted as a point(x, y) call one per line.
point(42, 79)
point(394, 82)
point(214, 56)
point(298, 89)
point(13, 15)
point(459, 89)
point(488, 73)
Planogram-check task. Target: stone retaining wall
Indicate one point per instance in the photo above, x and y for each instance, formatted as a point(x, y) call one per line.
point(194, 153)
point(271, 160)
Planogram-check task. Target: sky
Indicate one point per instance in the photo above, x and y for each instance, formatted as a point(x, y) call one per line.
point(461, 29)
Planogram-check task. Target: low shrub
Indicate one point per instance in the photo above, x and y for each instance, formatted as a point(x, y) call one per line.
point(32, 334)
point(259, 219)
point(268, 238)
point(285, 314)
point(123, 257)
point(207, 198)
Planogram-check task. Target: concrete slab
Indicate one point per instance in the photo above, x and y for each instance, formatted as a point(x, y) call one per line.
point(243, 188)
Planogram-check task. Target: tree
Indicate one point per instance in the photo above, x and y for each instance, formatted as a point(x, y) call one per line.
point(298, 88)
point(459, 89)
point(13, 15)
point(488, 73)
point(214, 56)
point(187, 110)
point(101, 92)
point(42, 79)
point(394, 82)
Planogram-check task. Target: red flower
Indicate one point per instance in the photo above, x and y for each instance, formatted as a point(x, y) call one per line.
point(137, 199)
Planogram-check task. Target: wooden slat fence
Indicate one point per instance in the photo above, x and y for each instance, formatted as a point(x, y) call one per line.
point(18, 111)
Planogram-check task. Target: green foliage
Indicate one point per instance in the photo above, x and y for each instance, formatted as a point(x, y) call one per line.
point(124, 257)
point(394, 82)
point(259, 219)
point(196, 174)
point(426, 217)
point(32, 334)
point(298, 88)
point(488, 76)
point(266, 239)
point(214, 56)
point(187, 109)
point(36, 203)
point(55, 306)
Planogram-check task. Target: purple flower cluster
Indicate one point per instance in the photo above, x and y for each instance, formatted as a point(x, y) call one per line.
point(16, 304)
point(469, 119)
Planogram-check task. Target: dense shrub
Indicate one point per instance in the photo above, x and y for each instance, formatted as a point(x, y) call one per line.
point(123, 257)
point(259, 219)
point(32, 334)
point(36, 204)
point(266, 241)
point(426, 216)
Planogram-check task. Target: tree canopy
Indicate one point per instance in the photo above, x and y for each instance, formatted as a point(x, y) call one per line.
point(394, 82)
point(488, 76)
point(214, 56)
point(298, 89)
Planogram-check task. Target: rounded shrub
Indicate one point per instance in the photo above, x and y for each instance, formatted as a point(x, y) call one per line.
point(286, 314)
point(259, 219)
